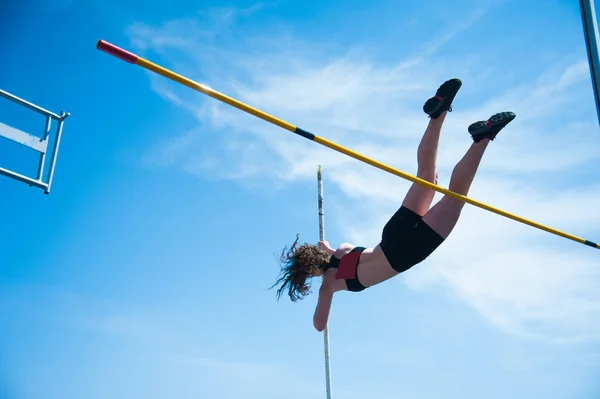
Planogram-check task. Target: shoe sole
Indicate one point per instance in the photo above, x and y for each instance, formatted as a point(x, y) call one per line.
point(491, 127)
point(434, 106)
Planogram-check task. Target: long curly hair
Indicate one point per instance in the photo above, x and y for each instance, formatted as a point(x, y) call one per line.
point(298, 264)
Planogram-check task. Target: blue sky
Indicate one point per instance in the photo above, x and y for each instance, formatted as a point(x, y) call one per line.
point(144, 273)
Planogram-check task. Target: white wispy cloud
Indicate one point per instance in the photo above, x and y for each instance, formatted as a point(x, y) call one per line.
point(471, 17)
point(523, 280)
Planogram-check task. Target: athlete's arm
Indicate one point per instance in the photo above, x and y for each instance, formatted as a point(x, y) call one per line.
point(323, 308)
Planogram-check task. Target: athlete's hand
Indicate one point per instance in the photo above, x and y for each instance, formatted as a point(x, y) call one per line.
point(324, 245)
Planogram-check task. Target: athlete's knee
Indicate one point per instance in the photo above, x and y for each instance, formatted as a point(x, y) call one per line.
point(453, 204)
point(428, 173)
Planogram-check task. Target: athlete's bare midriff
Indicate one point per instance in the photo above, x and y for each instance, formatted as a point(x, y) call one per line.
point(373, 267)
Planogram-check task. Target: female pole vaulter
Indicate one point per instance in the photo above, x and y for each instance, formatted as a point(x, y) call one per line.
point(412, 234)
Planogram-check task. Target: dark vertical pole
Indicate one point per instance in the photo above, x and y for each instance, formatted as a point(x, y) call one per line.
point(590, 30)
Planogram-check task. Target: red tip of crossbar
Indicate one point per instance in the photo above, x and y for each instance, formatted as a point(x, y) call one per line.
point(117, 51)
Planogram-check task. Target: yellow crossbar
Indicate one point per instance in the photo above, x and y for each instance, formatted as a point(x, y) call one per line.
point(134, 59)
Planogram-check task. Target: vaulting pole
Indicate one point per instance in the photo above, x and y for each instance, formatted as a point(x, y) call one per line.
point(134, 59)
point(322, 238)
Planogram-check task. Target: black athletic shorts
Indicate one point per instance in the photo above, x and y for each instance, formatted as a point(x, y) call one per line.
point(407, 240)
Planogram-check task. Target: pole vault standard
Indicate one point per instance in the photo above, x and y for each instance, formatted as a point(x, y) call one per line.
point(322, 238)
point(590, 32)
point(134, 59)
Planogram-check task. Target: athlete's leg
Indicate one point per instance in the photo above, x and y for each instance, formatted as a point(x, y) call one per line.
point(442, 217)
point(419, 198)
point(445, 214)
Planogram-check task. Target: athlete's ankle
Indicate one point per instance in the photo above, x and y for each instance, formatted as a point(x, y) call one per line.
point(437, 121)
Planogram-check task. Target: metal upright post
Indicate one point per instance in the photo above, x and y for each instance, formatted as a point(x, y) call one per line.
point(590, 30)
point(326, 331)
point(43, 154)
point(59, 130)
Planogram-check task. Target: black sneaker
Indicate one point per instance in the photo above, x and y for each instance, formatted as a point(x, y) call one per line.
point(490, 128)
point(442, 101)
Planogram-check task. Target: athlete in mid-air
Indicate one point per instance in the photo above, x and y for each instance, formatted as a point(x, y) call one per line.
point(412, 233)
